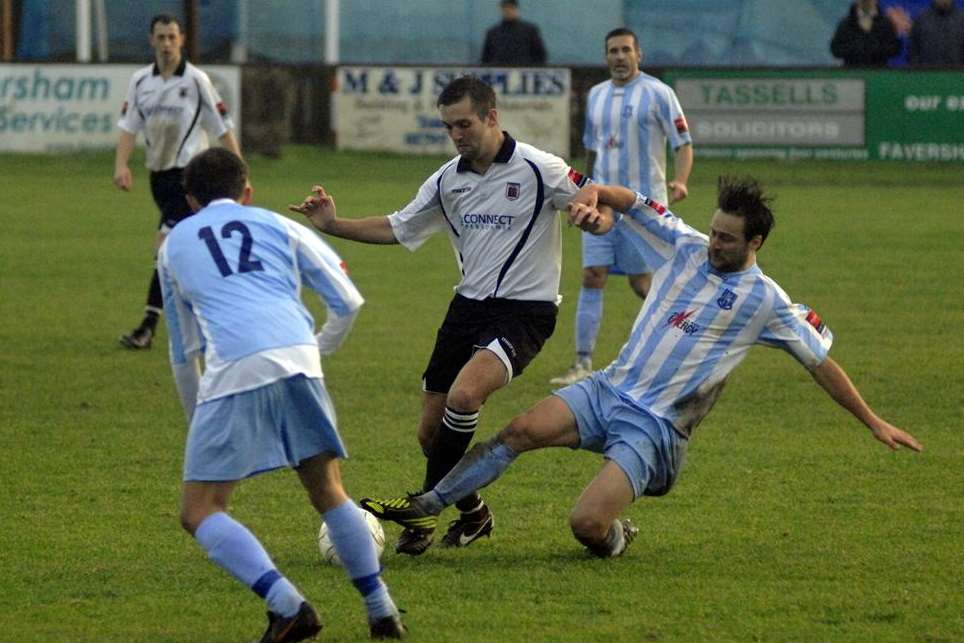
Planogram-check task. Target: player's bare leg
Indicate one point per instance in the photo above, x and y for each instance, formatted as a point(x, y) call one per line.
point(595, 518)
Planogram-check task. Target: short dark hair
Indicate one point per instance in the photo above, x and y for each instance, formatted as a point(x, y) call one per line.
point(480, 93)
point(509, 3)
point(743, 197)
point(166, 19)
point(621, 31)
point(215, 173)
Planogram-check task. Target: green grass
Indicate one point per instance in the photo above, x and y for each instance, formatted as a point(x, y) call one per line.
point(788, 523)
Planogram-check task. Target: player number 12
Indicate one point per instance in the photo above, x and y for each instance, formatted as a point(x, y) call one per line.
point(245, 262)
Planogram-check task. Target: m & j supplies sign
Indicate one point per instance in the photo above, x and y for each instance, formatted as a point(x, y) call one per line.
point(393, 108)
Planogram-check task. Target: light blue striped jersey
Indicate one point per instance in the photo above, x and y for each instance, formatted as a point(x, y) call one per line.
point(231, 276)
point(697, 324)
point(628, 127)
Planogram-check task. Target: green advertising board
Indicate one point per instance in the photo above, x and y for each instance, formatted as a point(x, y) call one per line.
point(898, 115)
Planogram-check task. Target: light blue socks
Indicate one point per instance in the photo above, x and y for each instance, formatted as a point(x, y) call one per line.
point(232, 547)
point(481, 465)
point(589, 314)
point(353, 543)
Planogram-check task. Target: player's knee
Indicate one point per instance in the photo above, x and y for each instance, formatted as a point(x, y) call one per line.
point(519, 435)
point(464, 398)
point(587, 527)
point(190, 520)
point(594, 277)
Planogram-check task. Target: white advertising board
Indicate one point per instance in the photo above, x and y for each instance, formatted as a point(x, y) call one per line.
point(60, 108)
point(393, 108)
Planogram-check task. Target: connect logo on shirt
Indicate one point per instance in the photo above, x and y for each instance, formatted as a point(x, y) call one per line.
point(682, 321)
point(487, 221)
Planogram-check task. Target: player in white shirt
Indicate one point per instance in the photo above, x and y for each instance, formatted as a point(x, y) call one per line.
point(231, 278)
point(710, 305)
point(497, 201)
point(175, 106)
point(629, 120)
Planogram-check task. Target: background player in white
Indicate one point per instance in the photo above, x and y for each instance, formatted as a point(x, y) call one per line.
point(497, 201)
point(231, 277)
point(711, 304)
point(175, 105)
point(629, 119)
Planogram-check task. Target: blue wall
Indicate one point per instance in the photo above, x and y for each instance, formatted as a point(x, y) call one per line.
point(672, 32)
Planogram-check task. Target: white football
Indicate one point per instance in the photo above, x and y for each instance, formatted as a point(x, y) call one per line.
point(327, 549)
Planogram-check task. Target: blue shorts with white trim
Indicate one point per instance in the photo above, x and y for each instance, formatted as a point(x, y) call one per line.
point(644, 446)
point(273, 426)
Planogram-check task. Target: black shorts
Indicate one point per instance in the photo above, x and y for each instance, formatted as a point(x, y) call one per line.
point(167, 188)
point(520, 327)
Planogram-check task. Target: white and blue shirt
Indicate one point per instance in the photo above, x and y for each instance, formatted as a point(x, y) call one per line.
point(502, 224)
point(627, 127)
point(697, 324)
point(176, 114)
point(231, 276)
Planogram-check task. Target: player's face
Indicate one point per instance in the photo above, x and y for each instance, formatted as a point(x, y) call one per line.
point(471, 134)
point(623, 58)
point(167, 40)
point(729, 250)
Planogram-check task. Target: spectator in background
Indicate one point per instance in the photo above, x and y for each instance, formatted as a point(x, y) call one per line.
point(865, 37)
point(513, 41)
point(937, 37)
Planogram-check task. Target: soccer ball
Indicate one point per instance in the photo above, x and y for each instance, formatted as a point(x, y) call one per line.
point(328, 549)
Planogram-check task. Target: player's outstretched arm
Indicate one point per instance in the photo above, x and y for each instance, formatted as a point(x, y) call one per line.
point(320, 209)
point(837, 384)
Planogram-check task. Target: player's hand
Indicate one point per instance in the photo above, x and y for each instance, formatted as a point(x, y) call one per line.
point(587, 195)
point(677, 191)
point(122, 178)
point(894, 437)
point(590, 219)
point(319, 207)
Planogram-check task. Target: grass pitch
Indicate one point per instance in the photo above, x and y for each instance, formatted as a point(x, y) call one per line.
point(789, 521)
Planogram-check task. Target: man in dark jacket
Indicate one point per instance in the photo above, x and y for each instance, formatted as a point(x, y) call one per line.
point(937, 37)
point(513, 41)
point(865, 37)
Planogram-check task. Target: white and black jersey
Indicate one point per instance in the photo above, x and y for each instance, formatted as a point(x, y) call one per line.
point(502, 224)
point(176, 114)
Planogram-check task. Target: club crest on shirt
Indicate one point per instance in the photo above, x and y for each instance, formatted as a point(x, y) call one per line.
point(726, 300)
point(183, 92)
point(512, 191)
point(627, 111)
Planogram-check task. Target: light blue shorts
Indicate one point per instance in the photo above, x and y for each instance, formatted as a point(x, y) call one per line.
point(644, 446)
point(614, 250)
point(273, 426)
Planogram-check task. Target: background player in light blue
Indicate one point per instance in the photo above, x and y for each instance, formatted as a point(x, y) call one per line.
point(231, 277)
point(629, 119)
point(711, 304)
